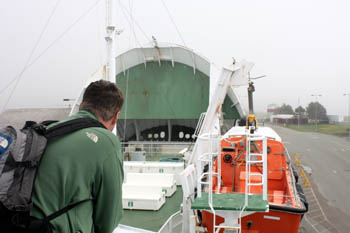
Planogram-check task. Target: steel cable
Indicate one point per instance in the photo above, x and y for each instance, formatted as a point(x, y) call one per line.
point(52, 43)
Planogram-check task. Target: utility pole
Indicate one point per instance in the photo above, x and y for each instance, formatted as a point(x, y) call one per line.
point(348, 94)
point(316, 95)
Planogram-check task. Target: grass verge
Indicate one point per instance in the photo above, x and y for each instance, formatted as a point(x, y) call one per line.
point(340, 130)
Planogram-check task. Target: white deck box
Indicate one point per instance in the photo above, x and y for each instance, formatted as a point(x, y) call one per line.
point(165, 167)
point(132, 167)
point(154, 167)
point(165, 181)
point(142, 197)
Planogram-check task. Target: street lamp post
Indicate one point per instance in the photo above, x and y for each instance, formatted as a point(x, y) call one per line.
point(316, 95)
point(299, 112)
point(348, 94)
point(68, 100)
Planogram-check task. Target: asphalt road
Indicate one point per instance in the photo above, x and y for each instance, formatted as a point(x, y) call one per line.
point(329, 158)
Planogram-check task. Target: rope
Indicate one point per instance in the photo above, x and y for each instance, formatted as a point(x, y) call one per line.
point(136, 23)
point(31, 54)
point(98, 36)
point(53, 43)
point(133, 29)
point(172, 20)
point(135, 37)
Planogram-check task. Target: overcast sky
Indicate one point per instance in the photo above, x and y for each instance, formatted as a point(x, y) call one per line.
point(302, 46)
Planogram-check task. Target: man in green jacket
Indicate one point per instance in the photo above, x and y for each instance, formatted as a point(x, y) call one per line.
point(84, 165)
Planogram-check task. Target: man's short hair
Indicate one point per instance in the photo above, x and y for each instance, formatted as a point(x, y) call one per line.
point(102, 98)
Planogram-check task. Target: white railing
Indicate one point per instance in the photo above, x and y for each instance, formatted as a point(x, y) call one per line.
point(199, 124)
point(173, 224)
point(294, 191)
point(207, 159)
point(155, 148)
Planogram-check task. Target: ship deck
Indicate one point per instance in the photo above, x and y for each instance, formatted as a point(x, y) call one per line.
point(153, 220)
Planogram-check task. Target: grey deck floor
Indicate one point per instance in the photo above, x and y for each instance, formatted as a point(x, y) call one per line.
point(153, 220)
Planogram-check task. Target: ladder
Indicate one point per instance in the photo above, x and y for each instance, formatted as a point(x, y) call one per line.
point(256, 158)
point(234, 212)
point(231, 217)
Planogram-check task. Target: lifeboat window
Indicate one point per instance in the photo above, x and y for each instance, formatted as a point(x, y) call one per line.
point(227, 158)
point(225, 149)
point(181, 134)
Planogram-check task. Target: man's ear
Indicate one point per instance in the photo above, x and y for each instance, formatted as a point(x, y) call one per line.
point(80, 105)
point(115, 118)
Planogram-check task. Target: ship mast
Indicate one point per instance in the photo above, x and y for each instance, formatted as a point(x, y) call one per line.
point(251, 89)
point(110, 36)
point(251, 121)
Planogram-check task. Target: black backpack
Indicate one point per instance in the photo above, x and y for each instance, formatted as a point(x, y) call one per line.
point(20, 155)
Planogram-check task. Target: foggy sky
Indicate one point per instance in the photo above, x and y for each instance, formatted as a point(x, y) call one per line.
point(302, 46)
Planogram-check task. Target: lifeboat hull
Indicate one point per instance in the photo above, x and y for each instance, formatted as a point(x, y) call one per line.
point(269, 222)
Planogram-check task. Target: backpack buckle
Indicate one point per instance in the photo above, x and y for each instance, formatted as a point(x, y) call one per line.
point(39, 128)
point(16, 221)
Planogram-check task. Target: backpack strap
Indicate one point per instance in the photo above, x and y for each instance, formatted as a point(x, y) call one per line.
point(64, 210)
point(43, 225)
point(71, 126)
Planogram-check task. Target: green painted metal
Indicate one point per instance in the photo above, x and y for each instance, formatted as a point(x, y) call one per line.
point(165, 92)
point(231, 201)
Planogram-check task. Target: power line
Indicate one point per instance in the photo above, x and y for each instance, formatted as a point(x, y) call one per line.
point(31, 54)
point(172, 20)
point(53, 43)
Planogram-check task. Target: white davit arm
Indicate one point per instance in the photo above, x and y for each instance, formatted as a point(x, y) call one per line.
point(236, 75)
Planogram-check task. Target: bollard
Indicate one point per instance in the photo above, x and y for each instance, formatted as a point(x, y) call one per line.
point(296, 156)
point(306, 182)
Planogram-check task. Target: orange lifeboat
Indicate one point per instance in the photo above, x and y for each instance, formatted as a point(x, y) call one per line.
point(286, 201)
